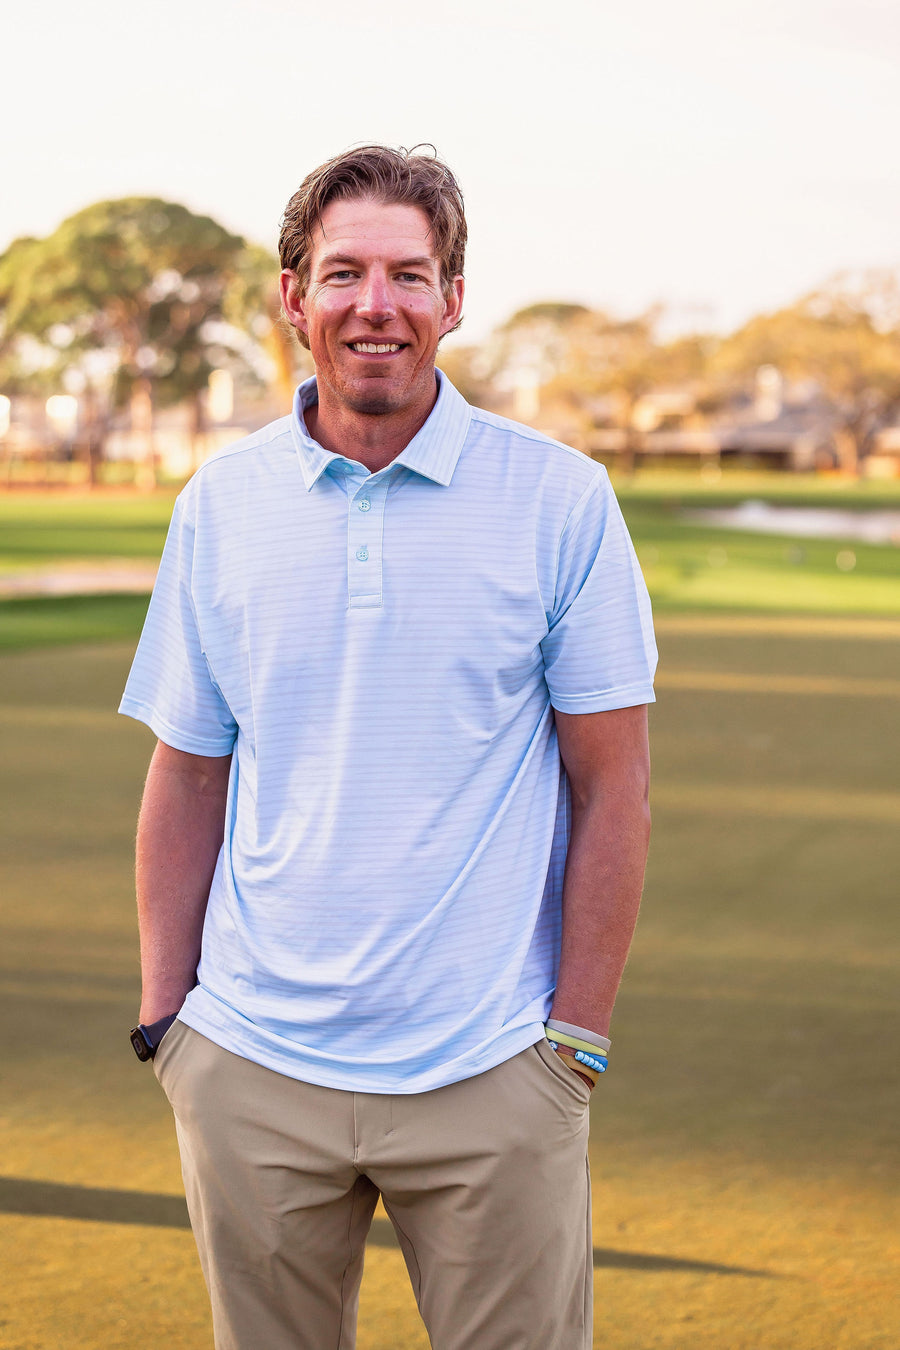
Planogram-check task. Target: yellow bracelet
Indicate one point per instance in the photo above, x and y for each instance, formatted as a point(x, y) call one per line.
point(563, 1038)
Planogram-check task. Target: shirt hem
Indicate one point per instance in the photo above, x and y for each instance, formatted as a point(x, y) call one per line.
point(178, 740)
point(607, 701)
point(254, 1048)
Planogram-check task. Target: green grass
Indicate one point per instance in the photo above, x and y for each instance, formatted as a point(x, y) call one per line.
point(693, 488)
point(38, 530)
point(52, 621)
point(688, 567)
point(37, 527)
point(749, 1118)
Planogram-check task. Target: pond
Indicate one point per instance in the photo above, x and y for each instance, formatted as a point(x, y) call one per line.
point(808, 522)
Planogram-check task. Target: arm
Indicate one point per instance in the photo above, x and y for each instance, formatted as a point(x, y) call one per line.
point(180, 832)
point(607, 761)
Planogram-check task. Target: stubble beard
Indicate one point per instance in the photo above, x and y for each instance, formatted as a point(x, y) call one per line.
point(370, 405)
point(377, 403)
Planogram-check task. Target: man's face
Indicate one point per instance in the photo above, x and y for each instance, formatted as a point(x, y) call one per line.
point(374, 309)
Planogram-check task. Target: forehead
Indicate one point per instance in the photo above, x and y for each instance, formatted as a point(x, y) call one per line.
point(366, 229)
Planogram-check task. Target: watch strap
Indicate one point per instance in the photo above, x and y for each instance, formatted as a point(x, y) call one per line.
point(145, 1039)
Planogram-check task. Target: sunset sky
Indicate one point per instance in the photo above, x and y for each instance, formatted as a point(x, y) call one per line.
point(720, 156)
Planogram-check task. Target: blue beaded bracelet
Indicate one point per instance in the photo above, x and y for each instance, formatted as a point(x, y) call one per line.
point(592, 1062)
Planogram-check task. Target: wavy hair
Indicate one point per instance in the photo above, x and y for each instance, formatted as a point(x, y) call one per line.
point(378, 173)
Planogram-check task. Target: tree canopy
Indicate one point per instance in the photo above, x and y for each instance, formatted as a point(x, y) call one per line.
point(845, 338)
point(127, 299)
point(135, 301)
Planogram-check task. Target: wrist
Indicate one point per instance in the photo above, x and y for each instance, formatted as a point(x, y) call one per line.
point(160, 1000)
point(577, 1037)
point(155, 1010)
point(146, 1037)
point(587, 1028)
point(586, 1057)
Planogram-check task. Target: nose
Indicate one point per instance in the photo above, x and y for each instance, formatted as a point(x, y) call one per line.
point(373, 299)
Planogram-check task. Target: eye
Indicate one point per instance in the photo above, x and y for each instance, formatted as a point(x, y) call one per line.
point(343, 274)
point(409, 276)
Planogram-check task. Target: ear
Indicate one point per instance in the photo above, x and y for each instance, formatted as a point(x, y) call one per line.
point(453, 305)
point(292, 300)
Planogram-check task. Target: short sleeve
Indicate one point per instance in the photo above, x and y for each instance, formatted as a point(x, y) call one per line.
point(600, 652)
point(170, 686)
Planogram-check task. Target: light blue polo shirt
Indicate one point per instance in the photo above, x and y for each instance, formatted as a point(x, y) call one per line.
point(382, 653)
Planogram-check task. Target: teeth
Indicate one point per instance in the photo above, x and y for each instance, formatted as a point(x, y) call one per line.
point(376, 348)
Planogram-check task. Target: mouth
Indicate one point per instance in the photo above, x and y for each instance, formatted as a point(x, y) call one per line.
point(376, 348)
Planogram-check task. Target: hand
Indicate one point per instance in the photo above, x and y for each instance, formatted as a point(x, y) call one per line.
point(585, 1074)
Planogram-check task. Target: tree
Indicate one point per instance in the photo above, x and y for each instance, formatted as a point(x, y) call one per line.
point(845, 337)
point(253, 305)
point(534, 348)
point(126, 299)
point(582, 367)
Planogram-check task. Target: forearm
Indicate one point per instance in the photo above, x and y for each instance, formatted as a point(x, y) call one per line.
point(180, 833)
point(608, 765)
point(601, 896)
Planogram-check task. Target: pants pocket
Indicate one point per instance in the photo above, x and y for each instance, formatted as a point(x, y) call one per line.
point(564, 1075)
point(165, 1049)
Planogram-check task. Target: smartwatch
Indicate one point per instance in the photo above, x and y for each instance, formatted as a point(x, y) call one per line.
point(145, 1040)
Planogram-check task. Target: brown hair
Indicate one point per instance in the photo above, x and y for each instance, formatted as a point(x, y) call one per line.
point(384, 175)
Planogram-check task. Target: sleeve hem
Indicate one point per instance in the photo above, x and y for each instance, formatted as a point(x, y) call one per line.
point(604, 700)
point(189, 742)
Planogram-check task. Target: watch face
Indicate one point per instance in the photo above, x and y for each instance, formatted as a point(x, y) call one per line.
point(141, 1048)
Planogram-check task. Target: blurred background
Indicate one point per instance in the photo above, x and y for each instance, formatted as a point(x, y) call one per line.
point(684, 261)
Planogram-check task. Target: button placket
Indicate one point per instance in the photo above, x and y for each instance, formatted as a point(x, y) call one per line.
point(365, 519)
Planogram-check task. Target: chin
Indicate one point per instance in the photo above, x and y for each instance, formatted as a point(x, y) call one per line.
point(371, 405)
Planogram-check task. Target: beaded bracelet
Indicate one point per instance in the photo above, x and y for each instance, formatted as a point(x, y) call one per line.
point(590, 1061)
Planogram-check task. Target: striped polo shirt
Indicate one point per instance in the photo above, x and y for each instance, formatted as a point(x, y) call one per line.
point(382, 654)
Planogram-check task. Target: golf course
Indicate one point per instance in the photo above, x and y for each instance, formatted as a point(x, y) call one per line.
point(744, 1150)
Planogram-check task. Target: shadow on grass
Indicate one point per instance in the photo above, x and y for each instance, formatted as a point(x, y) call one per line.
point(51, 1199)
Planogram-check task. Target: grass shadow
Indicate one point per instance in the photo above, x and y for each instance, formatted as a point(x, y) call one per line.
point(51, 1199)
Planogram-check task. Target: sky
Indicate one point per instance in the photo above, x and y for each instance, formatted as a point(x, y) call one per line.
point(719, 157)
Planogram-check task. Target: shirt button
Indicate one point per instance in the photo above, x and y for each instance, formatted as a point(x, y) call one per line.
point(362, 554)
point(364, 504)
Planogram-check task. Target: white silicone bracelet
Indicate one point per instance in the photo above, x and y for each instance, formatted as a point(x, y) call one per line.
point(592, 1037)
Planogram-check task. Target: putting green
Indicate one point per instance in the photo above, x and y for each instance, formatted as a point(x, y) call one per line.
point(744, 1142)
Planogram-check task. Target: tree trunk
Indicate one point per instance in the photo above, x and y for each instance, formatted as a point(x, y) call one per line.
point(282, 345)
point(847, 451)
point(95, 455)
point(633, 440)
point(142, 427)
point(198, 428)
point(93, 436)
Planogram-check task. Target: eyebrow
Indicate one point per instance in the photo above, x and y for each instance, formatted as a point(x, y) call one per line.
point(423, 261)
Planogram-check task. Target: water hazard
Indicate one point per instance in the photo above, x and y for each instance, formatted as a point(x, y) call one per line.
point(807, 522)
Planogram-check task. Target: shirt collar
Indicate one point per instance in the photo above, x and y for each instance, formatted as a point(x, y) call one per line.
point(433, 452)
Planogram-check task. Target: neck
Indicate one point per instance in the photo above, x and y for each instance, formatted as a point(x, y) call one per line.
point(372, 439)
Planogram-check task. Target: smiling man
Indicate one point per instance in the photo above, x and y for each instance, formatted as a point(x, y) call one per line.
point(393, 835)
point(371, 304)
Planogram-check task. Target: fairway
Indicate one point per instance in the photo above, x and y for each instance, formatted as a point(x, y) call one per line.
point(744, 1142)
point(689, 567)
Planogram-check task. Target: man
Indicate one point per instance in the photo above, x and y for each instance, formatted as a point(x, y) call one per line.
point(380, 625)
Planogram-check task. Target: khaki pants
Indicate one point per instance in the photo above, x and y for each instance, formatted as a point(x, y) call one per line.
point(485, 1182)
